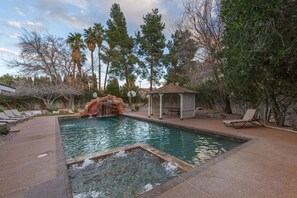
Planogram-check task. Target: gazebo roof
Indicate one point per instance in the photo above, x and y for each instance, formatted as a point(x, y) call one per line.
point(172, 89)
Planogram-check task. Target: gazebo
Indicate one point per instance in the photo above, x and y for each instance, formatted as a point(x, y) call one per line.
point(172, 99)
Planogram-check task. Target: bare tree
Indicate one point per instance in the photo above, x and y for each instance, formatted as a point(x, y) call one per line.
point(43, 55)
point(202, 19)
point(47, 94)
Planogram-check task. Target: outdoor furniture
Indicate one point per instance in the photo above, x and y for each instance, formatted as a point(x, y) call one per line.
point(4, 121)
point(173, 110)
point(249, 117)
point(10, 114)
point(24, 115)
point(8, 119)
point(3, 124)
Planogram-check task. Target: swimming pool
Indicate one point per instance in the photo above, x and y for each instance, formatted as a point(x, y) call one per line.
point(82, 136)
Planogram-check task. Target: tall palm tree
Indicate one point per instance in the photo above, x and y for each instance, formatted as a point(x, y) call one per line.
point(76, 43)
point(98, 30)
point(89, 35)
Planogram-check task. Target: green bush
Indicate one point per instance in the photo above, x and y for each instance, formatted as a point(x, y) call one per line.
point(4, 130)
point(136, 108)
point(53, 108)
point(75, 110)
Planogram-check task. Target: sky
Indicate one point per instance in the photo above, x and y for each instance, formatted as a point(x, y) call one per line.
point(60, 17)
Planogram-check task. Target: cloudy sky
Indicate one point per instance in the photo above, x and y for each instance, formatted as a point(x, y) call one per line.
point(59, 17)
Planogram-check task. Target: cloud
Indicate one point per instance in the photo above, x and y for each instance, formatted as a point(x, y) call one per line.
point(20, 12)
point(34, 26)
point(8, 51)
point(82, 4)
point(59, 11)
point(134, 10)
point(81, 14)
point(28, 25)
point(14, 36)
point(14, 24)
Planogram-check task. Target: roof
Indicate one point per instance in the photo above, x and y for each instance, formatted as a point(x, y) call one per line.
point(172, 88)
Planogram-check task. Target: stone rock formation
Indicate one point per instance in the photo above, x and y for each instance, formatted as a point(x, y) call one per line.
point(107, 105)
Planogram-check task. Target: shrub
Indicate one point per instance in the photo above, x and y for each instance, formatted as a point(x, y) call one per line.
point(75, 109)
point(53, 108)
point(136, 108)
point(4, 130)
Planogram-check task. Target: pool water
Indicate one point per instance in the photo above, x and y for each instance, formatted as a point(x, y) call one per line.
point(82, 136)
point(125, 174)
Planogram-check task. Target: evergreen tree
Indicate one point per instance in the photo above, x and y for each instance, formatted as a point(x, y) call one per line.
point(122, 58)
point(182, 49)
point(113, 88)
point(151, 43)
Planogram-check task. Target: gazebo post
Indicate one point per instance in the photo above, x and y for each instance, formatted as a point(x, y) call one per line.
point(181, 105)
point(161, 108)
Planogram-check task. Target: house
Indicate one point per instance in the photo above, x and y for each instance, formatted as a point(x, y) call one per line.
point(143, 92)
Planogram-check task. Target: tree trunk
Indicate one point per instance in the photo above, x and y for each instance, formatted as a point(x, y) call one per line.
point(93, 74)
point(105, 80)
point(127, 78)
point(73, 74)
point(151, 78)
point(227, 105)
point(99, 71)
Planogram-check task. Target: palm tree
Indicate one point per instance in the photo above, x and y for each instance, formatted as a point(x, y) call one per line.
point(76, 43)
point(82, 61)
point(98, 30)
point(89, 35)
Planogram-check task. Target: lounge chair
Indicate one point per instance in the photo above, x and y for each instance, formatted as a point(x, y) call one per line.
point(22, 115)
point(3, 124)
point(249, 117)
point(10, 114)
point(7, 119)
point(7, 122)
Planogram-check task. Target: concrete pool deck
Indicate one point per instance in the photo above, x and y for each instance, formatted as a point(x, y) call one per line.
point(265, 166)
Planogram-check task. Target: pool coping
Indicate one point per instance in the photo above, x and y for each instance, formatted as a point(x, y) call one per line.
point(184, 166)
point(196, 169)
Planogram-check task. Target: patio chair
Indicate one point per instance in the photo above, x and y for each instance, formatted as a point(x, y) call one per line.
point(2, 124)
point(10, 114)
point(22, 115)
point(7, 122)
point(8, 119)
point(249, 117)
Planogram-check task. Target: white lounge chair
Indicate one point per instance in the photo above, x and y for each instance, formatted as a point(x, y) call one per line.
point(19, 114)
point(7, 122)
point(2, 124)
point(11, 115)
point(249, 117)
point(5, 118)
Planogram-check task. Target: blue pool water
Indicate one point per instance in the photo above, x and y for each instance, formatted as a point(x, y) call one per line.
point(82, 136)
point(125, 174)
